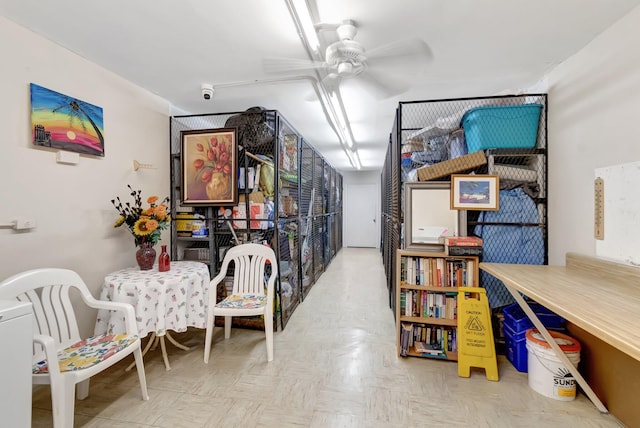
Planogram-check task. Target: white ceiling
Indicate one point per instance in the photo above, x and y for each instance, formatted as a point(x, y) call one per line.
point(172, 47)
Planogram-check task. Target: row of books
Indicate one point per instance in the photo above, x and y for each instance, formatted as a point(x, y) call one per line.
point(427, 340)
point(437, 271)
point(428, 304)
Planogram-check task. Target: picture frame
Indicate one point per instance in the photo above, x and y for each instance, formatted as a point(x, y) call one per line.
point(428, 215)
point(209, 163)
point(63, 122)
point(475, 192)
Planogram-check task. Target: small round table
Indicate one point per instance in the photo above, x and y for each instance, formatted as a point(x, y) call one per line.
point(162, 301)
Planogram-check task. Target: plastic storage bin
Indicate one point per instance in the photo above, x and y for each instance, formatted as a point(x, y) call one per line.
point(499, 127)
point(515, 317)
point(516, 348)
point(515, 326)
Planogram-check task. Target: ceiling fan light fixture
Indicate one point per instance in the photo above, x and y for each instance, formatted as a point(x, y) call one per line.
point(347, 30)
point(345, 68)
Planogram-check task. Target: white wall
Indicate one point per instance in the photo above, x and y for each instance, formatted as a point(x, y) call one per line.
point(71, 203)
point(363, 177)
point(594, 106)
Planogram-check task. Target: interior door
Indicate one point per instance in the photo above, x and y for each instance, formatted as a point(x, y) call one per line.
point(362, 227)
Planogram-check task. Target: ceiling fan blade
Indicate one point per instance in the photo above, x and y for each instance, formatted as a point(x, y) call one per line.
point(283, 65)
point(331, 81)
point(381, 87)
point(414, 48)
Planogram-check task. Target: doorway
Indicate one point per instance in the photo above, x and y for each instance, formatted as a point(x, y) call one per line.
point(362, 227)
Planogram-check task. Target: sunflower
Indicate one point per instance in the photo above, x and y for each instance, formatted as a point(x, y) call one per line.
point(144, 226)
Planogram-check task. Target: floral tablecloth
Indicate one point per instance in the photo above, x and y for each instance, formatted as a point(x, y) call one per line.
point(172, 300)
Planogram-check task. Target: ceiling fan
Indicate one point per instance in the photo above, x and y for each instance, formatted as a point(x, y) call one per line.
point(348, 59)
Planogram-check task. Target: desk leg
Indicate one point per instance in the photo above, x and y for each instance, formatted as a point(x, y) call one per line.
point(556, 348)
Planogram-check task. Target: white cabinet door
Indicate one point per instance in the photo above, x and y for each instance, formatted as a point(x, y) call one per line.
point(16, 339)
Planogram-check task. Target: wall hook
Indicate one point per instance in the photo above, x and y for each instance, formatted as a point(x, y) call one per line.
point(137, 165)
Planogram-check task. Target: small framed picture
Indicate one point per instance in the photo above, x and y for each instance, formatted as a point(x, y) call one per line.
point(209, 167)
point(475, 192)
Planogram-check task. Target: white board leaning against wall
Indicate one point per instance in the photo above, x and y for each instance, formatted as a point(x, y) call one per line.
point(621, 209)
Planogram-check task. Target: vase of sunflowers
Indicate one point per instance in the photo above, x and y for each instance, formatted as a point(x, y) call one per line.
point(146, 256)
point(145, 224)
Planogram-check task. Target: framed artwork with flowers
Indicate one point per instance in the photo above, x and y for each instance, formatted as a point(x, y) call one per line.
point(209, 163)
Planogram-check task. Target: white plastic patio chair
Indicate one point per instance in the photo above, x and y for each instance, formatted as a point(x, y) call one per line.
point(252, 292)
point(56, 337)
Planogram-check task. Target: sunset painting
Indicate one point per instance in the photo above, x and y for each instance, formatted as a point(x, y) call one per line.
point(62, 122)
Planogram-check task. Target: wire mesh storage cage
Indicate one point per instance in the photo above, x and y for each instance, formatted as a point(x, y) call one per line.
point(502, 136)
point(281, 188)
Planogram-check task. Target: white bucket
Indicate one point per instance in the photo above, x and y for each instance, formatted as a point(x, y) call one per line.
point(547, 374)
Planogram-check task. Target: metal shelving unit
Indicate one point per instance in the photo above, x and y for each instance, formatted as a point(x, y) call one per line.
point(291, 190)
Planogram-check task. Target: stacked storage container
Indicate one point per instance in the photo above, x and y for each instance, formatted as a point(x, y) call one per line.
point(497, 127)
point(515, 326)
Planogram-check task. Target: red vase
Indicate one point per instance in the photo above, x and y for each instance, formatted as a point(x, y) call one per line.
point(146, 256)
point(164, 261)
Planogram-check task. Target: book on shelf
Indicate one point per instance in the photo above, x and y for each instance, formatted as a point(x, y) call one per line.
point(406, 338)
point(471, 268)
point(452, 342)
point(461, 241)
point(428, 348)
point(463, 251)
point(415, 304)
point(439, 273)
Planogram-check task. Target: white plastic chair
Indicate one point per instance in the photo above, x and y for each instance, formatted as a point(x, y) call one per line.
point(252, 292)
point(56, 337)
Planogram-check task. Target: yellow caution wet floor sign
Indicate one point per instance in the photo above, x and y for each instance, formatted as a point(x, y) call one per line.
point(475, 335)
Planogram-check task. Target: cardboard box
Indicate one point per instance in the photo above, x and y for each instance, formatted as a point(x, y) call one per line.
point(256, 212)
point(287, 205)
point(452, 166)
point(239, 215)
point(257, 197)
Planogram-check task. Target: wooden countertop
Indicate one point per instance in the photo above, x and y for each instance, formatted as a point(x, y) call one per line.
point(598, 295)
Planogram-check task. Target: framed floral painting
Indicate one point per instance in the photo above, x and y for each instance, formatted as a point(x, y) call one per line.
point(209, 167)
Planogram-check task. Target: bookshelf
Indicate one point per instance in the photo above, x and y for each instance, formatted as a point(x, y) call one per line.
point(427, 300)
